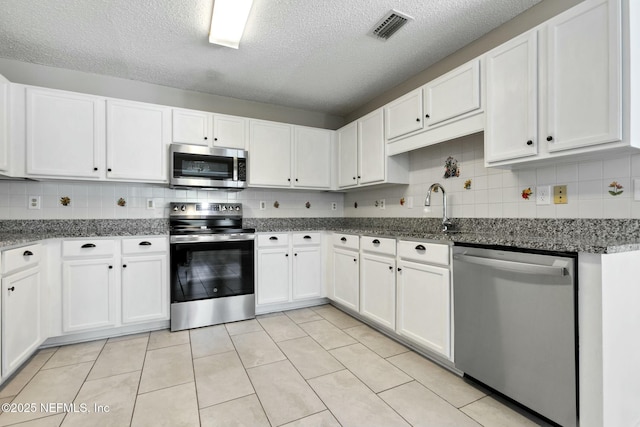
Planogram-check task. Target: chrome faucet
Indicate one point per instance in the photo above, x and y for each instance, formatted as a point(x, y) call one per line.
point(446, 221)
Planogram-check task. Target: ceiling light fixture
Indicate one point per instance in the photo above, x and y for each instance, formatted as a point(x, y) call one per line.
point(228, 20)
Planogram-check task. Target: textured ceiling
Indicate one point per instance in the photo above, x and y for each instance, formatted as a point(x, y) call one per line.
point(309, 54)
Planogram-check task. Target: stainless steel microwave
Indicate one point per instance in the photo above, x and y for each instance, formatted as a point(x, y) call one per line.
point(196, 166)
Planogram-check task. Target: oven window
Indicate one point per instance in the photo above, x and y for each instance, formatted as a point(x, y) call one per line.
point(211, 270)
point(202, 166)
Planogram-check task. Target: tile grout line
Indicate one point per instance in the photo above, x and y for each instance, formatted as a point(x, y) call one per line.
point(135, 400)
point(195, 379)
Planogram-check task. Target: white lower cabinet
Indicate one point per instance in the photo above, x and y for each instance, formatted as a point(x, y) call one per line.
point(22, 327)
point(88, 294)
point(424, 295)
point(346, 271)
point(110, 283)
point(144, 280)
point(289, 268)
point(378, 280)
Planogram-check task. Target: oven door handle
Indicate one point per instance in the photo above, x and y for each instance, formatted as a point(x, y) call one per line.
point(231, 237)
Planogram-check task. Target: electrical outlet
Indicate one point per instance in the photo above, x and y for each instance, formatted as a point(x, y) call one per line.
point(334, 206)
point(263, 205)
point(34, 202)
point(382, 204)
point(543, 195)
point(560, 194)
point(151, 204)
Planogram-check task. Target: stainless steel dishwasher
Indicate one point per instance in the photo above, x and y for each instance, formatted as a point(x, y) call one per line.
point(516, 328)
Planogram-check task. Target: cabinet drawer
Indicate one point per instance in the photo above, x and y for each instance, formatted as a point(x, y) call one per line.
point(379, 245)
point(88, 248)
point(273, 239)
point(347, 241)
point(143, 245)
point(300, 239)
point(25, 256)
point(431, 253)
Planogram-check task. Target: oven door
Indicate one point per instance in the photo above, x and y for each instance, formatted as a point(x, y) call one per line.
point(204, 270)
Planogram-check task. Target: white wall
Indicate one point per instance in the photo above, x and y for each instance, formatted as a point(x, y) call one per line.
point(98, 201)
point(496, 193)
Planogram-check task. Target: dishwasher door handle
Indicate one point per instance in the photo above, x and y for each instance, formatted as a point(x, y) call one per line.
point(515, 266)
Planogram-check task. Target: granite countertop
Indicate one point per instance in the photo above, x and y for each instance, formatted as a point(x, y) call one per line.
point(560, 235)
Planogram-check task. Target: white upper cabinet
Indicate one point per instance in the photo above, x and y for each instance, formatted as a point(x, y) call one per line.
point(145, 127)
point(289, 156)
point(574, 83)
point(371, 148)
point(404, 115)
point(270, 148)
point(348, 155)
point(230, 131)
point(191, 127)
point(511, 129)
point(64, 134)
point(4, 124)
point(312, 154)
point(453, 94)
point(362, 154)
point(583, 71)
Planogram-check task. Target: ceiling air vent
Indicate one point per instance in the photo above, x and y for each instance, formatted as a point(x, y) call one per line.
point(390, 23)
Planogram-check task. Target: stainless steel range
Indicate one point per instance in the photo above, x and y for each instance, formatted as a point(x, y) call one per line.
point(212, 265)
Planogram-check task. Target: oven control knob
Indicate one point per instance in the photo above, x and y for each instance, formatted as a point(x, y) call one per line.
point(237, 208)
point(224, 208)
point(183, 208)
point(175, 208)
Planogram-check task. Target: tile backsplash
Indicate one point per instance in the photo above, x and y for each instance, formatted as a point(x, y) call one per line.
point(497, 193)
point(94, 200)
point(493, 193)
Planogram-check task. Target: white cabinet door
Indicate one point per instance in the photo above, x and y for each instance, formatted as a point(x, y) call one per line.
point(4, 124)
point(346, 285)
point(273, 275)
point(404, 115)
point(307, 273)
point(312, 160)
point(371, 148)
point(378, 289)
point(583, 98)
point(230, 131)
point(424, 301)
point(145, 127)
point(65, 134)
point(453, 94)
point(21, 311)
point(270, 148)
point(191, 127)
point(348, 155)
point(88, 294)
point(144, 288)
point(512, 105)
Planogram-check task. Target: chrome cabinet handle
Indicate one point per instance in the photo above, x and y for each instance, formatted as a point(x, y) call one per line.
point(88, 245)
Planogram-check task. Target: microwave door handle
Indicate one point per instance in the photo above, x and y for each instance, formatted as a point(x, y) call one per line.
point(235, 168)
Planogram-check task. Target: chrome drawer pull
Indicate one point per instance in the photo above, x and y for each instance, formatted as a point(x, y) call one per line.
point(88, 245)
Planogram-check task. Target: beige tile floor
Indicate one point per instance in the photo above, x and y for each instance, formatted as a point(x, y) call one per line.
point(309, 367)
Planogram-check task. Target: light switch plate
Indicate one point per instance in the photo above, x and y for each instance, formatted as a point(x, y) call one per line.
point(543, 195)
point(382, 204)
point(263, 205)
point(151, 204)
point(560, 194)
